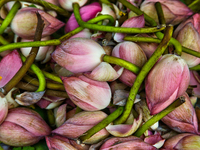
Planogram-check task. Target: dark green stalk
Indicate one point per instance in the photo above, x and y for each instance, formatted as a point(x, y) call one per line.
point(111, 28)
point(3, 41)
point(143, 73)
point(101, 125)
point(10, 16)
point(195, 68)
point(52, 76)
point(43, 3)
point(191, 52)
point(29, 61)
point(194, 6)
point(121, 62)
point(49, 85)
point(160, 13)
point(151, 21)
point(39, 74)
point(158, 117)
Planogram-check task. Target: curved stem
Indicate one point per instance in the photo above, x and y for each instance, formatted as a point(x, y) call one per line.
point(101, 125)
point(40, 75)
point(52, 77)
point(3, 41)
point(43, 3)
point(121, 62)
point(111, 28)
point(10, 16)
point(144, 71)
point(194, 6)
point(158, 116)
point(160, 13)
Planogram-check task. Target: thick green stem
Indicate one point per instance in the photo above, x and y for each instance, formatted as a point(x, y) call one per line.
point(160, 13)
point(195, 68)
point(43, 3)
point(194, 6)
point(101, 125)
point(29, 61)
point(121, 62)
point(111, 28)
point(3, 41)
point(158, 117)
point(151, 21)
point(10, 16)
point(52, 77)
point(39, 74)
point(144, 71)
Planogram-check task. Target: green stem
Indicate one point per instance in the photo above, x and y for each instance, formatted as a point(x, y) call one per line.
point(194, 6)
point(158, 117)
point(144, 71)
point(32, 88)
point(195, 68)
point(101, 125)
point(39, 74)
point(151, 21)
point(191, 52)
point(3, 41)
point(29, 61)
point(121, 62)
point(43, 3)
point(52, 77)
point(111, 28)
point(10, 16)
point(160, 13)
point(49, 85)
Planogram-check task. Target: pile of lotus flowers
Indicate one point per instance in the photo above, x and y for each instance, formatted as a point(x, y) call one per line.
point(100, 75)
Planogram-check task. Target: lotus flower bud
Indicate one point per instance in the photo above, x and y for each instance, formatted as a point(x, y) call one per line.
point(85, 15)
point(195, 81)
point(83, 34)
point(43, 53)
point(25, 21)
point(182, 141)
point(133, 22)
point(131, 52)
point(60, 114)
point(166, 81)
point(105, 72)
point(78, 55)
point(174, 10)
point(188, 34)
point(3, 108)
point(80, 123)
point(67, 4)
point(55, 2)
point(10, 64)
point(128, 143)
point(23, 127)
point(87, 94)
point(183, 118)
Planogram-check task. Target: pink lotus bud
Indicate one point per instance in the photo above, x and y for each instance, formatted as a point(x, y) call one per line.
point(3, 107)
point(86, 93)
point(188, 34)
point(10, 64)
point(124, 130)
point(131, 52)
point(174, 10)
point(183, 118)
point(60, 114)
point(43, 53)
point(67, 4)
point(85, 15)
point(195, 81)
point(83, 34)
point(166, 81)
point(128, 143)
point(55, 2)
point(133, 22)
point(78, 55)
point(184, 141)
point(23, 127)
point(25, 21)
point(105, 72)
point(80, 123)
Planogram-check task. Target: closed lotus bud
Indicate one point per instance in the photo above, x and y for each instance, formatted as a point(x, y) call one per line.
point(3, 108)
point(86, 93)
point(131, 52)
point(44, 52)
point(188, 34)
point(25, 21)
point(23, 127)
point(183, 118)
point(83, 34)
point(78, 55)
point(184, 141)
point(80, 123)
point(85, 15)
point(167, 80)
point(10, 64)
point(133, 22)
point(128, 143)
point(67, 4)
point(60, 114)
point(174, 10)
point(195, 81)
